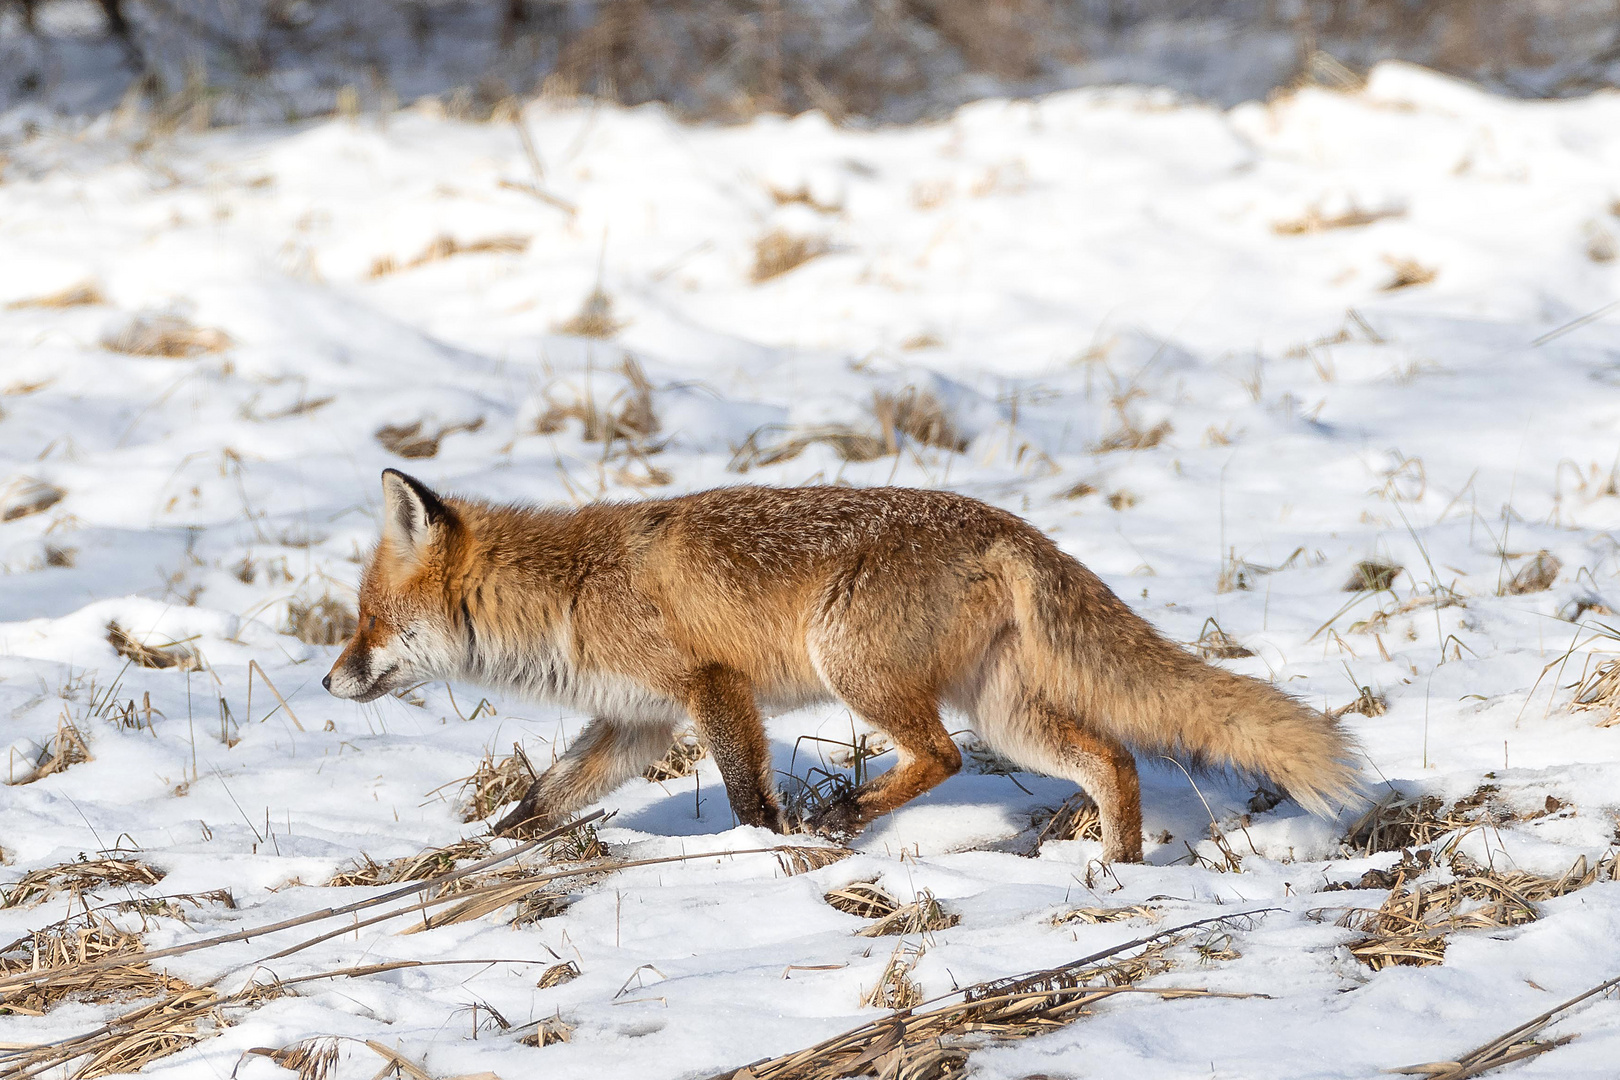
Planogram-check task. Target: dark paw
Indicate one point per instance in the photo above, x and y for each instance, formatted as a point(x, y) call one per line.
point(526, 820)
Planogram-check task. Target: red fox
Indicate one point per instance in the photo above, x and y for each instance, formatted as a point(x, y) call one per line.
point(726, 603)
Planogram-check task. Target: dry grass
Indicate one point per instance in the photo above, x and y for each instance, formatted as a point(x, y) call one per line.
point(1366, 703)
point(917, 415)
point(494, 784)
point(1600, 690)
point(594, 319)
point(1397, 822)
point(66, 945)
point(327, 621)
point(557, 974)
point(417, 440)
point(1216, 644)
point(175, 655)
point(1129, 436)
point(419, 867)
point(167, 335)
point(1535, 576)
point(913, 1043)
point(628, 416)
point(895, 989)
point(1406, 273)
point(779, 251)
point(552, 1029)
point(1076, 819)
point(1096, 916)
point(76, 878)
point(445, 246)
point(65, 749)
point(84, 294)
point(923, 915)
point(1314, 221)
point(26, 496)
point(680, 760)
point(907, 414)
point(311, 1059)
point(1411, 927)
point(867, 899)
point(1372, 575)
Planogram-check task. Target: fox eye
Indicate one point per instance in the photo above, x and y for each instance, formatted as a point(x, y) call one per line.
point(371, 622)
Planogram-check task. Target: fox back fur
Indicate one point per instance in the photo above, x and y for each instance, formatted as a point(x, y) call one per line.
point(897, 602)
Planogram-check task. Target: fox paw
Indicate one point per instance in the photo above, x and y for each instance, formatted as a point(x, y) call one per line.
point(527, 819)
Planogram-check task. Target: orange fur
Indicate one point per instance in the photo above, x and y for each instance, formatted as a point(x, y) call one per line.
point(897, 602)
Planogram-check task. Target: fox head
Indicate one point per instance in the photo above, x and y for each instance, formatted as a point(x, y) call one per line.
point(406, 633)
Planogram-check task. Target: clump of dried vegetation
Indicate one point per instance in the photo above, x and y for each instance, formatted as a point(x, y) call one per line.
point(164, 656)
point(417, 440)
point(26, 496)
point(907, 415)
point(77, 878)
point(494, 784)
point(870, 900)
point(914, 1043)
point(1400, 822)
point(445, 246)
point(419, 867)
point(326, 621)
point(1406, 273)
point(1076, 819)
point(779, 251)
point(1216, 644)
point(1412, 926)
point(1600, 691)
point(1535, 576)
point(64, 945)
point(1315, 221)
point(1372, 575)
point(64, 749)
point(167, 335)
point(594, 319)
point(680, 760)
point(627, 416)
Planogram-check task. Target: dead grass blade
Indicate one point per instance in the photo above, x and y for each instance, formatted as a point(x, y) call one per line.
point(84, 294)
point(26, 496)
point(1314, 221)
point(176, 655)
point(311, 1059)
point(1514, 1045)
point(166, 335)
point(932, 1044)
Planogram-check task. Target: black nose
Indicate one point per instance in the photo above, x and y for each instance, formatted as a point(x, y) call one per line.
point(327, 682)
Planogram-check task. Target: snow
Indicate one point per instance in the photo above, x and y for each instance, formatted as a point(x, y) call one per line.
point(1052, 271)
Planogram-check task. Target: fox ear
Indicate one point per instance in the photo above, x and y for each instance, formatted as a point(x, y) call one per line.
point(410, 511)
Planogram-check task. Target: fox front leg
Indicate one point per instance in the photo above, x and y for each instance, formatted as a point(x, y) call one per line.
point(606, 754)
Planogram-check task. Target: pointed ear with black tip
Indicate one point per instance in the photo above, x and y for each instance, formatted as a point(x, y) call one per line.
point(411, 512)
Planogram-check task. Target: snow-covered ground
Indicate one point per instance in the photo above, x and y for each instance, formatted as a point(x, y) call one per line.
point(1134, 309)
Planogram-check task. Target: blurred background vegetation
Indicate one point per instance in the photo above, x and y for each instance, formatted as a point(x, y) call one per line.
point(202, 62)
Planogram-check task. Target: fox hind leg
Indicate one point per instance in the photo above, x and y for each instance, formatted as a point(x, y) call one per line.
point(1039, 735)
point(606, 754)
